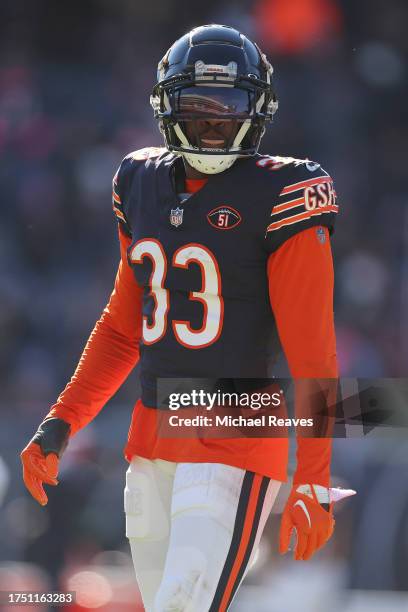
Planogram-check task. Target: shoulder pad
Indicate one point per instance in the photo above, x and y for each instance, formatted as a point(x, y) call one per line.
point(276, 162)
point(123, 177)
point(307, 198)
point(117, 196)
point(146, 153)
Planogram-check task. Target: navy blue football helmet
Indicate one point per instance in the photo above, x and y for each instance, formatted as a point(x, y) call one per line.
point(213, 73)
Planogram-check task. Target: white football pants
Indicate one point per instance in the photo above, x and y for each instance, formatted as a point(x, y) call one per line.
point(193, 530)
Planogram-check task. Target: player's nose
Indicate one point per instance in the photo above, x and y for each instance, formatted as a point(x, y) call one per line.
point(207, 124)
point(214, 122)
point(212, 127)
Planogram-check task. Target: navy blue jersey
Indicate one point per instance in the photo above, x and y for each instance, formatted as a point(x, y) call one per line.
point(202, 263)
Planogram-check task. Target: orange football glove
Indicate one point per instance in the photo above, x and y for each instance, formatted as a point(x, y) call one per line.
point(37, 470)
point(40, 458)
point(309, 510)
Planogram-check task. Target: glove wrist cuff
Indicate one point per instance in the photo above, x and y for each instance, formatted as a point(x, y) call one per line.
point(52, 436)
point(321, 493)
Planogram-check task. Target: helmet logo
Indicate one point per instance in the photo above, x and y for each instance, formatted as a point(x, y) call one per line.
point(176, 216)
point(224, 217)
point(213, 71)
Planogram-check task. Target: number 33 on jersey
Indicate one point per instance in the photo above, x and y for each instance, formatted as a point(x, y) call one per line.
point(202, 263)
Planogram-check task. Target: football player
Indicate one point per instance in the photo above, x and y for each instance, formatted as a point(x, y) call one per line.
point(220, 248)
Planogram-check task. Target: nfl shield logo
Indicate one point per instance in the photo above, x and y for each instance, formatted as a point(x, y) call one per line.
point(176, 216)
point(321, 236)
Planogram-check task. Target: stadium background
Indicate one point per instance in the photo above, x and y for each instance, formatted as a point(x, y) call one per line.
point(75, 79)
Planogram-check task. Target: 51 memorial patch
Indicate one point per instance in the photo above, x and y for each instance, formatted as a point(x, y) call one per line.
point(224, 217)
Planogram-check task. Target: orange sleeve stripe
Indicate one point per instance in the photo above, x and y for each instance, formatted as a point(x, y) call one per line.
point(116, 197)
point(301, 217)
point(287, 206)
point(303, 184)
point(119, 213)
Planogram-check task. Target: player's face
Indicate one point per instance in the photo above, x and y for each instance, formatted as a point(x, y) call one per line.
point(211, 116)
point(211, 133)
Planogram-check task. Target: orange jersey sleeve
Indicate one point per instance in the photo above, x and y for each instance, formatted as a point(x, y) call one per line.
point(112, 351)
point(301, 280)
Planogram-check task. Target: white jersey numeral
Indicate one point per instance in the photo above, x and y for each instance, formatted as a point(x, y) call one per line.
point(154, 251)
point(209, 295)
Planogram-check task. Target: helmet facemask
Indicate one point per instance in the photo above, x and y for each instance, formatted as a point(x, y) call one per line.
point(233, 110)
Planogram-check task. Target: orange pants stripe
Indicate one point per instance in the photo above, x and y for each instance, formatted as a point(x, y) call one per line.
point(249, 510)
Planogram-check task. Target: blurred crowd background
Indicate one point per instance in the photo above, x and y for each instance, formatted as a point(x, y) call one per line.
point(75, 80)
